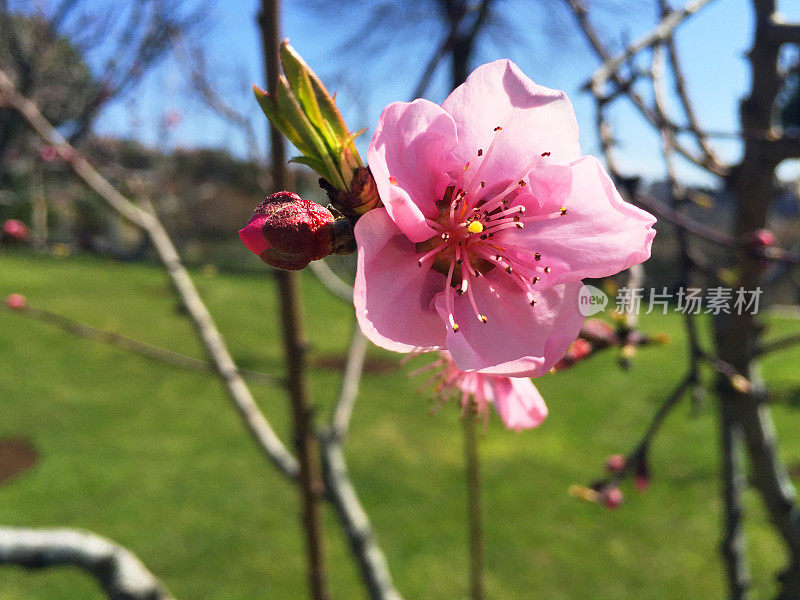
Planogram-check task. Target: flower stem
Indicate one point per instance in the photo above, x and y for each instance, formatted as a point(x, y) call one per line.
point(473, 508)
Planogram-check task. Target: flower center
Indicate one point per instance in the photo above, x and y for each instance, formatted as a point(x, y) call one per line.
point(465, 248)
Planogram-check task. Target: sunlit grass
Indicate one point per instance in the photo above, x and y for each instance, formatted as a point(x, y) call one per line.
point(155, 457)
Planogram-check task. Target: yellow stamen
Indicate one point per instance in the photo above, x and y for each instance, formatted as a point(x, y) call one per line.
point(475, 227)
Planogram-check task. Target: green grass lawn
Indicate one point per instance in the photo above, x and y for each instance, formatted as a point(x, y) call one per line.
point(155, 458)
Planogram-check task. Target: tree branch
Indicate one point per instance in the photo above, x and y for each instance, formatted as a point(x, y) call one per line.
point(658, 35)
point(119, 573)
point(342, 495)
point(352, 376)
point(306, 442)
point(131, 345)
point(212, 340)
point(655, 117)
point(334, 284)
point(733, 484)
point(682, 91)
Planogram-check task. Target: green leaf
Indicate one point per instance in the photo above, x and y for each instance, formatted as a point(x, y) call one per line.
point(325, 102)
point(270, 108)
point(310, 162)
point(290, 109)
point(296, 72)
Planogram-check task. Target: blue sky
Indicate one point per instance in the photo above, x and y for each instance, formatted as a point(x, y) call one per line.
point(544, 43)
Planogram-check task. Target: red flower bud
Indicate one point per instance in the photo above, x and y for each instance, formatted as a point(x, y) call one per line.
point(616, 463)
point(611, 497)
point(16, 301)
point(579, 349)
point(763, 237)
point(599, 333)
point(16, 230)
point(288, 232)
point(48, 153)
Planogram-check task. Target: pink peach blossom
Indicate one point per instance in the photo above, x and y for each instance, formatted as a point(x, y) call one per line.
point(491, 219)
point(515, 399)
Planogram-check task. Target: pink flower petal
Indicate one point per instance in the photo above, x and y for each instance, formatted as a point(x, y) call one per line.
point(518, 340)
point(600, 234)
point(550, 185)
point(408, 159)
point(518, 402)
point(252, 237)
point(392, 293)
point(534, 120)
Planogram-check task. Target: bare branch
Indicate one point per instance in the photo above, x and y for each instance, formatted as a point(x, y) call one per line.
point(682, 91)
point(334, 284)
point(306, 442)
point(784, 343)
point(342, 495)
point(642, 447)
point(352, 376)
point(195, 62)
point(784, 33)
point(141, 348)
point(769, 474)
point(658, 35)
point(212, 340)
point(430, 68)
point(121, 575)
point(655, 117)
point(733, 485)
point(474, 512)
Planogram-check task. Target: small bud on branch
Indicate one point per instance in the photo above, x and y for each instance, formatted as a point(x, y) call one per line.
point(288, 232)
point(304, 111)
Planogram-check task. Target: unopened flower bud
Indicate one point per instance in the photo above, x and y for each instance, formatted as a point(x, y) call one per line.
point(579, 349)
point(762, 237)
point(611, 497)
point(48, 153)
point(289, 232)
point(15, 230)
point(758, 246)
point(616, 463)
point(599, 333)
point(16, 302)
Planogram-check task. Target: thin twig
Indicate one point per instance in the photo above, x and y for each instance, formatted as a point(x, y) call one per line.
point(658, 35)
point(119, 573)
point(641, 448)
point(342, 495)
point(141, 348)
point(332, 282)
point(655, 117)
point(682, 92)
point(210, 336)
point(784, 343)
point(353, 370)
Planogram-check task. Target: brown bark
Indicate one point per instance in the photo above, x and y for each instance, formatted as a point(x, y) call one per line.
point(737, 335)
point(305, 440)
